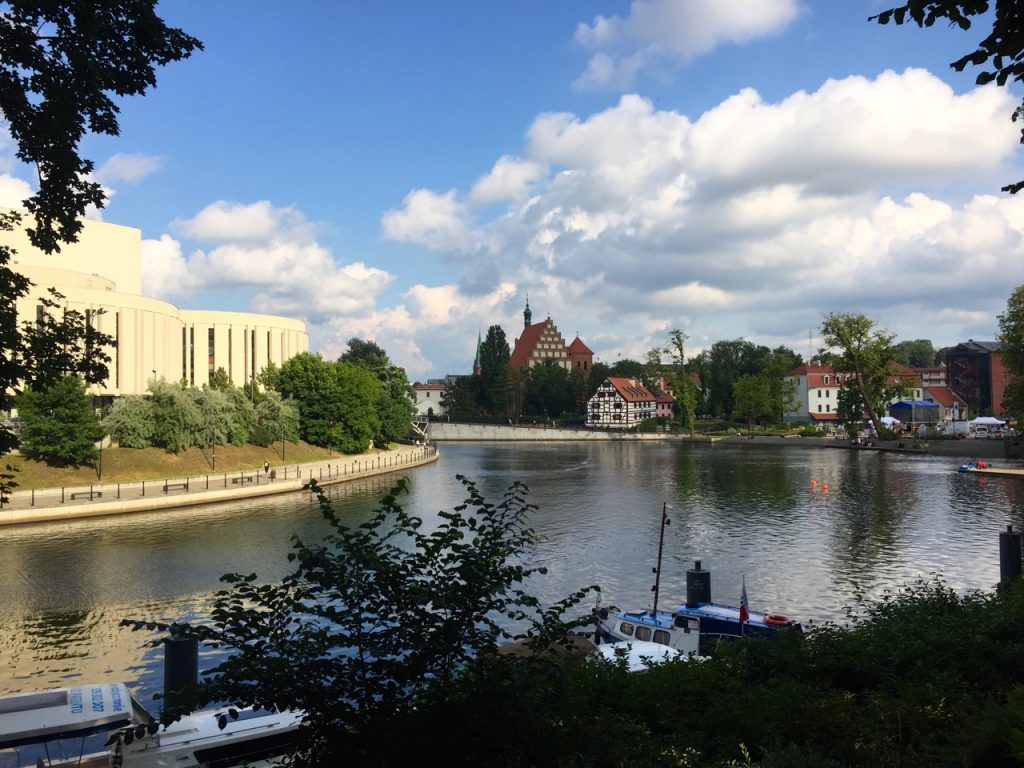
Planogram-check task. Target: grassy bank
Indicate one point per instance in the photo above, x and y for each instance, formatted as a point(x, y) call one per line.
point(121, 465)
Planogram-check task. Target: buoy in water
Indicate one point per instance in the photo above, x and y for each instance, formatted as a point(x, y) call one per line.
point(814, 483)
point(824, 488)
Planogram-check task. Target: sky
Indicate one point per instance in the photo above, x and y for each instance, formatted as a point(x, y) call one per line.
point(410, 172)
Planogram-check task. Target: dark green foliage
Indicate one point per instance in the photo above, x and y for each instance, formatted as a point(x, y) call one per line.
point(394, 406)
point(219, 380)
point(375, 621)
point(61, 62)
point(60, 426)
point(276, 419)
point(177, 422)
point(215, 414)
point(547, 392)
point(459, 398)
point(1011, 337)
point(62, 342)
point(919, 353)
point(355, 422)
point(492, 387)
point(999, 53)
point(241, 416)
point(130, 423)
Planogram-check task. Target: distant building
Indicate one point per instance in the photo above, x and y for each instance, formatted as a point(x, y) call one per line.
point(620, 403)
point(428, 398)
point(976, 373)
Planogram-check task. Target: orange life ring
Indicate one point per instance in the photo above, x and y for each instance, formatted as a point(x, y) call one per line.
point(777, 620)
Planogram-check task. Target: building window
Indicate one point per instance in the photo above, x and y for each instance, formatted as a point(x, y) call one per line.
point(231, 356)
point(819, 407)
point(826, 381)
point(819, 393)
point(192, 356)
point(211, 337)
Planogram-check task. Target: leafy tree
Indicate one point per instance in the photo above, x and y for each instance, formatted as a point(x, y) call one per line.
point(850, 407)
point(366, 353)
point(598, 373)
point(52, 348)
point(458, 398)
point(723, 365)
point(1011, 337)
point(307, 380)
point(395, 406)
point(60, 425)
point(763, 397)
point(683, 387)
point(130, 423)
point(855, 346)
point(494, 372)
point(177, 422)
point(215, 412)
point(917, 354)
point(547, 391)
point(61, 64)
point(1000, 50)
point(219, 380)
point(355, 423)
point(276, 419)
point(373, 619)
point(242, 417)
point(626, 368)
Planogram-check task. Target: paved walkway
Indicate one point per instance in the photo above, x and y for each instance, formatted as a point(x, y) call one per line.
point(52, 504)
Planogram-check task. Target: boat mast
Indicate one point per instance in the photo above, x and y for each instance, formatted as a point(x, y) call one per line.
point(661, 544)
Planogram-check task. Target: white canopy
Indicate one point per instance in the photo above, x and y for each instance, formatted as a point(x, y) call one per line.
point(889, 421)
point(987, 421)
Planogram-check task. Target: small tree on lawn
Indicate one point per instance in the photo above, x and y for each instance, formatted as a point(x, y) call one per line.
point(276, 419)
point(176, 420)
point(60, 424)
point(130, 422)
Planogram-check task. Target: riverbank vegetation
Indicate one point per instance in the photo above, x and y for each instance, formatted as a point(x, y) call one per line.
point(383, 636)
point(122, 465)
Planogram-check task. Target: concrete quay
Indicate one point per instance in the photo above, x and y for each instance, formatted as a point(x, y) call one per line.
point(62, 504)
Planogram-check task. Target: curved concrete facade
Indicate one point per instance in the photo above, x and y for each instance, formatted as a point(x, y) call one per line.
point(100, 276)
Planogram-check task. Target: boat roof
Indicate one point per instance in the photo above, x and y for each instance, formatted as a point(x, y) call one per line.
point(723, 613)
point(663, 619)
point(79, 710)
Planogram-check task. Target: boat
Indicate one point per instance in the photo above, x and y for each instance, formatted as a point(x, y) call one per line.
point(693, 627)
point(59, 728)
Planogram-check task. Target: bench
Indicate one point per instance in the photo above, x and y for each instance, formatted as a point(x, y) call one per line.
point(243, 479)
point(171, 486)
point(86, 495)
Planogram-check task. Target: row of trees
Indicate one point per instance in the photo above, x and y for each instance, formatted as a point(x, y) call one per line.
point(346, 405)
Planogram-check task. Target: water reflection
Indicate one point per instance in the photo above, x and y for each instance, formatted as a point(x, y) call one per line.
point(742, 510)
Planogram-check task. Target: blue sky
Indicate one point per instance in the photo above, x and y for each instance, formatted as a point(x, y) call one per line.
point(409, 172)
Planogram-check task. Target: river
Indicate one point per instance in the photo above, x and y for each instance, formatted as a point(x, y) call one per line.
point(884, 520)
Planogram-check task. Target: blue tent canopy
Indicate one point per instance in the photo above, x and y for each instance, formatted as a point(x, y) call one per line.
point(918, 411)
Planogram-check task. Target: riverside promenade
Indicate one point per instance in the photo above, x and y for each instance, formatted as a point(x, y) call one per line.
point(102, 499)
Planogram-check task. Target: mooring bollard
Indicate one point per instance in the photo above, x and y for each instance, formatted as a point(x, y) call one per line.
point(1009, 556)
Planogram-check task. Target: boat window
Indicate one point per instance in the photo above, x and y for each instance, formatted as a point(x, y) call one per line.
point(244, 752)
point(626, 628)
point(661, 637)
point(643, 633)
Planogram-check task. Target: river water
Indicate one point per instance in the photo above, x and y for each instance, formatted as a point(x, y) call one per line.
point(743, 510)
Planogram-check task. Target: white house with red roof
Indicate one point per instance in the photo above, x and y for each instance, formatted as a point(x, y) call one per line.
point(428, 398)
point(620, 403)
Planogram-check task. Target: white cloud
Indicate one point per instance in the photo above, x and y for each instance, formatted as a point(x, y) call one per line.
point(13, 191)
point(124, 167)
point(509, 179)
point(436, 220)
point(674, 31)
point(269, 249)
point(230, 222)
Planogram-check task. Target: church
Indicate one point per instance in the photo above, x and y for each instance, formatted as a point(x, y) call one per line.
point(543, 341)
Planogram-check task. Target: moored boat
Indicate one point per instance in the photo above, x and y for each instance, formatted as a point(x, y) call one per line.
point(59, 728)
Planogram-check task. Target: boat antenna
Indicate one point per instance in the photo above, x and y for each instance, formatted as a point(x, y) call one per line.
point(661, 544)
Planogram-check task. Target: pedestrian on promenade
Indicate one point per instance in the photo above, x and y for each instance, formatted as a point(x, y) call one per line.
point(266, 467)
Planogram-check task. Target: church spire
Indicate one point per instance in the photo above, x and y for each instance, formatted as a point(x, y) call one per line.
point(527, 314)
point(476, 360)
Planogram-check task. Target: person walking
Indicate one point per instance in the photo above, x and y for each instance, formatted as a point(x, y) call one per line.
point(266, 467)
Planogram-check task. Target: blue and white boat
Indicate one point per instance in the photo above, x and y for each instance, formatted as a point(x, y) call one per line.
point(696, 625)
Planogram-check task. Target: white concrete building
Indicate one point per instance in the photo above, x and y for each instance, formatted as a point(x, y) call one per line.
point(428, 398)
point(101, 277)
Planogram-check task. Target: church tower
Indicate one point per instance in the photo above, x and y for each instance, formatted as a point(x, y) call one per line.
point(527, 314)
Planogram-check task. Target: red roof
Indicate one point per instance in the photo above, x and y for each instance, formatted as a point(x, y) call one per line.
point(630, 390)
point(665, 397)
point(578, 347)
point(944, 396)
point(419, 386)
point(524, 345)
point(825, 416)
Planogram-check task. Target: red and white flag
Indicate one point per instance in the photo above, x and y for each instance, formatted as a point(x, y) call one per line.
point(744, 615)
